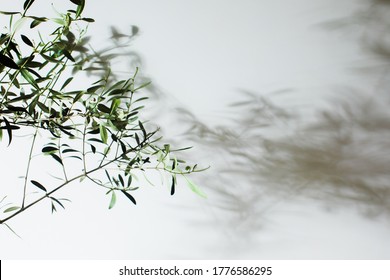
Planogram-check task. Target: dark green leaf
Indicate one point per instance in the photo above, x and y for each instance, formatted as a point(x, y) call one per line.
point(27, 41)
point(9, 130)
point(76, 2)
point(49, 58)
point(16, 109)
point(129, 196)
point(66, 83)
point(49, 149)
point(57, 158)
point(22, 97)
point(108, 176)
point(94, 131)
point(103, 108)
point(121, 180)
point(78, 96)
point(9, 13)
point(68, 55)
point(95, 140)
point(14, 80)
point(6, 61)
point(43, 107)
point(76, 157)
point(37, 21)
point(57, 201)
point(29, 78)
point(38, 185)
point(88, 19)
point(142, 128)
point(27, 4)
point(53, 208)
point(70, 151)
point(33, 64)
point(80, 7)
point(117, 91)
point(93, 89)
point(123, 147)
point(173, 185)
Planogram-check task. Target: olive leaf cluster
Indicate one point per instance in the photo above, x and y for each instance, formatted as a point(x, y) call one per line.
point(97, 127)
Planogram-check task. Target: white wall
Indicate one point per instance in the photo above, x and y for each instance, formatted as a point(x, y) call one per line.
point(201, 54)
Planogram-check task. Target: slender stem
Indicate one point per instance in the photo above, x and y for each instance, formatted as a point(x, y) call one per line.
point(62, 160)
point(84, 174)
point(84, 153)
point(28, 166)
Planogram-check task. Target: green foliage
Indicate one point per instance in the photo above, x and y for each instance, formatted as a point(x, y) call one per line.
point(99, 127)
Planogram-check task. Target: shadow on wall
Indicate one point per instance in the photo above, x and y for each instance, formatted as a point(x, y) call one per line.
point(267, 153)
point(340, 158)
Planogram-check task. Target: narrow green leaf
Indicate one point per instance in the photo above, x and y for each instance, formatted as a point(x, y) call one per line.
point(88, 19)
point(49, 149)
point(43, 107)
point(53, 208)
point(50, 59)
point(78, 96)
point(11, 229)
point(68, 55)
point(9, 13)
point(76, 2)
point(129, 196)
point(10, 209)
point(57, 201)
point(8, 62)
point(57, 158)
point(195, 188)
point(95, 139)
point(27, 41)
point(103, 133)
point(142, 128)
point(108, 176)
point(115, 104)
point(121, 180)
point(37, 21)
point(9, 130)
point(129, 181)
point(142, 86)
point(80, 7)
point(103, 108)
point(137, 138)
point(38, 185)
point(70, 151)
point(27, 4)
point(66, 83)
point(113, 200)
point(173, 185)
point(29, 78)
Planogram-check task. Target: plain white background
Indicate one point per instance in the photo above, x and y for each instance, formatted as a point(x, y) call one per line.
point(200, 54)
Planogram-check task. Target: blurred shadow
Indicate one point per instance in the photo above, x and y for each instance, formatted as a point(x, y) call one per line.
point(267, 154)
